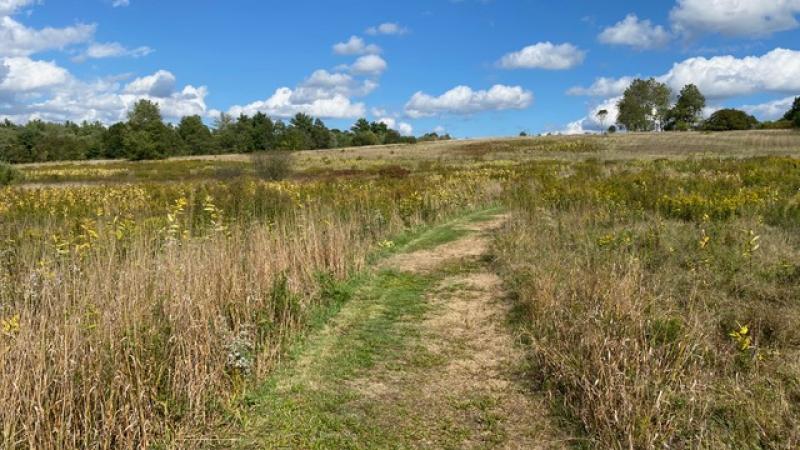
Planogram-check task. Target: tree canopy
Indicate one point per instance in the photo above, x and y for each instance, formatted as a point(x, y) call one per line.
point(730, 119)
point(644, 105)
point(793, 113)
point(688, 110)
point(145, 135)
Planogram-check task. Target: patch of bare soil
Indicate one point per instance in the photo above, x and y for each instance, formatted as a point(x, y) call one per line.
point(473, 245)
point(464, 374)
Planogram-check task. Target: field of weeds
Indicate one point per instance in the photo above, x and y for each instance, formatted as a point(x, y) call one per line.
point(656, 290)
point(131, 314)
point(660, 299)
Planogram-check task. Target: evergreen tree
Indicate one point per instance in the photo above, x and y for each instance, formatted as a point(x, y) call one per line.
point(114, 141)
point(195, 135)
point(147, 137)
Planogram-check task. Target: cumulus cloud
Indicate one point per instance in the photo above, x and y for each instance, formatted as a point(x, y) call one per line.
point(544, 55)
point(9, 7)
point(159, 85)
point(603, 87)
point(355, 46)
point(24, 75)
point(463, 100)
point(387, 28)
point(326, 85)
point(771, 110)
point(43, 90)
point(369, 65)
point(591, 123)
point(111, 50)
point(728, 76)
point(323, 94)
point(18, 40)
point(734, 17)
point(639, 34)
point(719, 76)
point(189, 101)
point(283, 104)
point(37, 89)
point(401, 127)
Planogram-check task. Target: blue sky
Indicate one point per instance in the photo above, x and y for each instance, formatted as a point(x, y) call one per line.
point(469, 67)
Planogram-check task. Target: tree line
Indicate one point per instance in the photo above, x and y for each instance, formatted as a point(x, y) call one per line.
point(145, 135)
point(646, 106)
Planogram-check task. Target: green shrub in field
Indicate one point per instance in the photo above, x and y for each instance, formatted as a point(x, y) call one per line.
point(8, 174)
point(272, 165)
point(730, 119)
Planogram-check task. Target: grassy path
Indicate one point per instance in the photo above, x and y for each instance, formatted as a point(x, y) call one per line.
point(421, 357)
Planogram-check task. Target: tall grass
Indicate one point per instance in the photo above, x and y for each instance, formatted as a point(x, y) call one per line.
point(132, 316)
point(660, 299)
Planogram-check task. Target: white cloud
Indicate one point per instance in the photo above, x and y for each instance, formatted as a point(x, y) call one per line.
point(24, 75)
point(189, 101)
point(719, 76)
point(603, 87)
point(639, 34)
point(326, 85)
point(734, 17)
point(463, 100)
point(544, 55)
point(401, 127)
point(111, 50)
point(770, 110)
point(160, 85)
point(43, 90)
point(282, 104)
point(355, 46)
point(9, 7)
point(728, 76)
point(119, 3)
point(18, 40)
point(369, 65)
point(591, 123)
point(387, 28)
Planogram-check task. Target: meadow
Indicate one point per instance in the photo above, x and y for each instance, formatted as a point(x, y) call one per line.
point(654, 279)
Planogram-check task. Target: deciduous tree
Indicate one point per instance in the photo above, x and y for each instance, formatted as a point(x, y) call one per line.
point(644, 105)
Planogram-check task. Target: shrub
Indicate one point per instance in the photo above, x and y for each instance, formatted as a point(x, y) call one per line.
point(777, 125)
point(363, 138)
point(272, 165)
point(8, 174)
point(730, 119)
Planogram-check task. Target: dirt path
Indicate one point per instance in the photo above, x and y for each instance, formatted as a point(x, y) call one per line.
point(421, 358)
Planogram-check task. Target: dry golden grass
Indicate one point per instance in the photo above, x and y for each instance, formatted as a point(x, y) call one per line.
point(136, 325)
point(629, 146)
point(130, 319)
point(659, 301)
